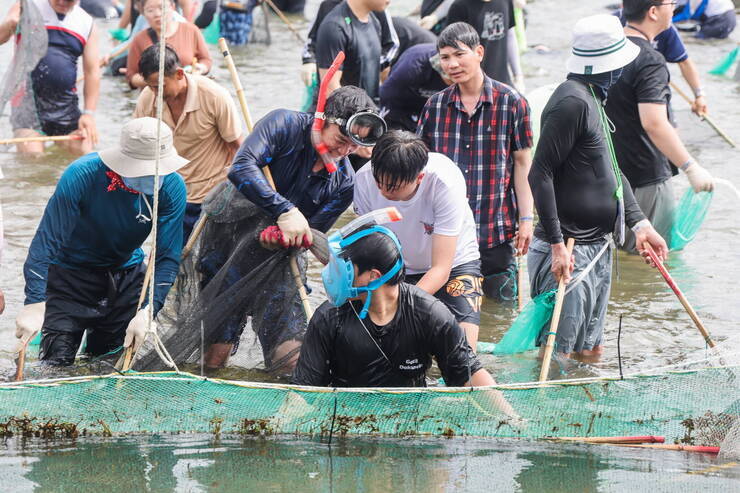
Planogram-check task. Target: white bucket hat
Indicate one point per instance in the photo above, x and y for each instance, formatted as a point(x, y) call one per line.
point(136, 154)
point(599, 46)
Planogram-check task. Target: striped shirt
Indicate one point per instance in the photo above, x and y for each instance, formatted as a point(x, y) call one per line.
point(482, 145)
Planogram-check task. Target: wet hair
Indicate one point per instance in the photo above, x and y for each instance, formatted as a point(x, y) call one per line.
point(375, 251)
point(398, 158)
point(635, 10)
point(346, 101)
point(456, 34)
point(149, 61)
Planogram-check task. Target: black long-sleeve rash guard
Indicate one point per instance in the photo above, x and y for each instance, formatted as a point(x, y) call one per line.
point(572, 179)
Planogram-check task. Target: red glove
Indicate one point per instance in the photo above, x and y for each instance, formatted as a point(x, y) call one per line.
point(272, 235)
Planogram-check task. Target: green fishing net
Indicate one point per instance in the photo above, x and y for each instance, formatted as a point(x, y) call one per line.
point(523, 333)
point(727, 63)
point(213, 31)
point(309, 93)
point(688, 218)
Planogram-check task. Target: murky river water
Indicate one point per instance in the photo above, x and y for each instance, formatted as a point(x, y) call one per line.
point(656, 331)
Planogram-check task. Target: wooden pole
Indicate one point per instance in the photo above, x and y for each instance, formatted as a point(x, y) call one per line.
point(612, 440)
point(687, 306)
point(555, 319)
point(285, 20)
point(21, 362)
point(41, 138)
point(268, 175)
point(125, 363)
point(673, 446)
point(704, 116)
point(520, 281)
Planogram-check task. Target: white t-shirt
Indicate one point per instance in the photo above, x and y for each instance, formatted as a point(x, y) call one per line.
point(439, 206)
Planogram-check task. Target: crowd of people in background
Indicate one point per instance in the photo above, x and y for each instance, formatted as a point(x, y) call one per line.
point(428, 115)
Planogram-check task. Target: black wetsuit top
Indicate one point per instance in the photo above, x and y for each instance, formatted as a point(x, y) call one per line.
point(572, 178)
point(338, 352)
point(645, 80)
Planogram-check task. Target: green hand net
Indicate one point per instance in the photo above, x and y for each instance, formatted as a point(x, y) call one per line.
point(688, 218)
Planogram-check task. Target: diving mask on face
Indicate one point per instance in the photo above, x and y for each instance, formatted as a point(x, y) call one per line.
point(339, 274)
point(363, 128)
point(142, 184)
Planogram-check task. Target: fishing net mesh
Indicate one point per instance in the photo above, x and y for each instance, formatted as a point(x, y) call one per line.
point(690, 213)
point(523, 333)
point(17, 88)
point(230, 289)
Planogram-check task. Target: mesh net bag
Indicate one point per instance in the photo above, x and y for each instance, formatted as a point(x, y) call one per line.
point(689, 216)
point(30, 48)
point(523, 333)
point(229, 283)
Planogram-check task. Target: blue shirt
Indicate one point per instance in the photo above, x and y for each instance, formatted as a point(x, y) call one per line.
point(282, 141)
point(85, 226)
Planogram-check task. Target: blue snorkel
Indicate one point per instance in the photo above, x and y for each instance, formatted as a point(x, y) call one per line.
point(339, 273)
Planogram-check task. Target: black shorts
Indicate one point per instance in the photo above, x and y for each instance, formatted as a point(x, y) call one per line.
point(102, 302)
point(462, 294)
point(498, 266)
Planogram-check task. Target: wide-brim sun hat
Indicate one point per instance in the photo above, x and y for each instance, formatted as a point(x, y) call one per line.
point(599, 46)
point(136, 153)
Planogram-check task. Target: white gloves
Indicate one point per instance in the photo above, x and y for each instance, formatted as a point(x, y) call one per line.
point(136, 330)
point(29, 321)
point(429, 21)
point(699, 178)
point(307, 72)
point(294, 227)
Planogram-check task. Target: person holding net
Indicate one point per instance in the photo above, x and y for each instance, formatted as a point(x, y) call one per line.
point(84, 269)
point(378, 331)
point(579, 190)
point(50, 106)
point(305, 196)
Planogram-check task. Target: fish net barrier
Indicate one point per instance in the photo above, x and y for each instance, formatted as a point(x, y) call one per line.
point(16, 88)
point(229, 286)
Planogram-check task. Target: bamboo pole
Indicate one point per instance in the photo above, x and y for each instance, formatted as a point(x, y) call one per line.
point(285, 20)
point(41, 138)
point(673, 446)
point(687, 306)
point(520, 281)
point(704, 116)
point(21, 362)
point(612, 440)
point(555, 319)
point(125, 362)
point(268, 175)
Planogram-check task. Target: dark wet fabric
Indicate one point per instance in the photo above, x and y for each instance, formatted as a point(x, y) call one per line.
point(338, 352)
point(282, 141)
point(572, 178)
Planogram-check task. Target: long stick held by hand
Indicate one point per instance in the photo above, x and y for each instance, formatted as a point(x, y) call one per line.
point(285, 20)
point(41, 138)
point(711, 122)
point(268, 175)
point(555, 318)
point(687, 306)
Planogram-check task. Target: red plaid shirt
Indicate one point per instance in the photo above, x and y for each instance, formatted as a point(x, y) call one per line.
point(482, 146)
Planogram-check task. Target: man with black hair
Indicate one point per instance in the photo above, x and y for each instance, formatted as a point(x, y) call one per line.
point(483, 126)
point(437, 231)
point(647, 147)
point(306, 196)
point(394, 343)
point(203, 119)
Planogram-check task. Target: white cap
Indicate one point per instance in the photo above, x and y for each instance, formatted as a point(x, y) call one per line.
point(599, 46)
point(137, 152)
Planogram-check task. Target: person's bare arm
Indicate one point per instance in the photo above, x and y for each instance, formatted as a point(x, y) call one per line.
point(10, 23)
point(495, 398)
point(334, 83)
point(187, 9)
point(443, 254)
point(125, 19)
point(691, 75)
point(91, 91)
point(524, 199)
point(234, 145)
point(654, 120)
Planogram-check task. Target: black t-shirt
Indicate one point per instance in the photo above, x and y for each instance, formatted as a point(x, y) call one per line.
point(341, 30)
point(492, 20)
point(410, 34)
point(645, 80)
point(572, 177)
point(411, 82)
point(338, 352)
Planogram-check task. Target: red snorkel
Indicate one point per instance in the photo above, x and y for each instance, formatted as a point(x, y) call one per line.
point(318, 118)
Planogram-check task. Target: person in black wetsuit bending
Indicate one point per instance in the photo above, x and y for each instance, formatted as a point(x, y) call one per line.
point(377, 331)
point(579, 190)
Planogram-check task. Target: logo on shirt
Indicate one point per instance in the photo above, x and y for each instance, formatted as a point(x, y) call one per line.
point(428, 228)
point(411, 364)
point(493, 26)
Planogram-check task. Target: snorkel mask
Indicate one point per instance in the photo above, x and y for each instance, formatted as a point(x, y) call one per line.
point(339, 273)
